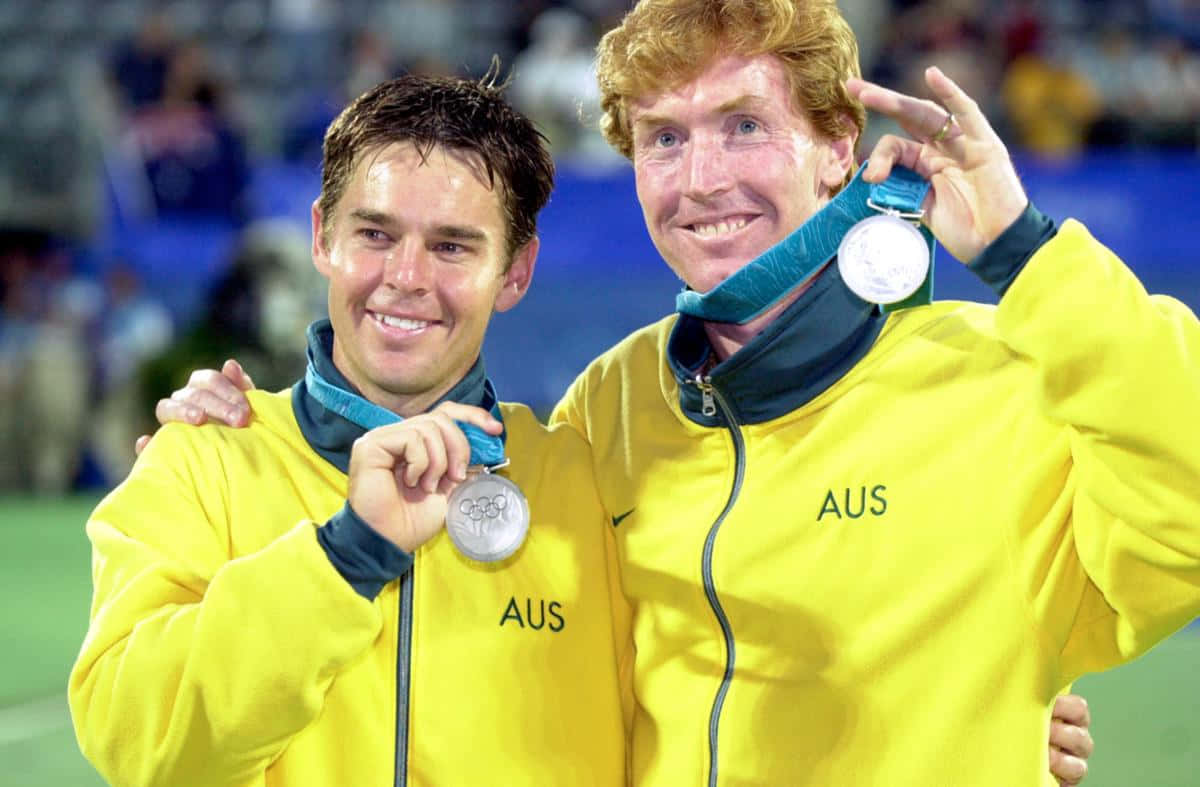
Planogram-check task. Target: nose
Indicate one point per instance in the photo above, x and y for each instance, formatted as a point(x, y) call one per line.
point(409, 267)
point(706, 168)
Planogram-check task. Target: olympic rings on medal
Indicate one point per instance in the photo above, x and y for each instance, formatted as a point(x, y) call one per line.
point(485, 506)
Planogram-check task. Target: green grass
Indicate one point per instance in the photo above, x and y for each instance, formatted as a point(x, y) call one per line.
point(1146, 715)
point(1146, 718)
point(45, 581)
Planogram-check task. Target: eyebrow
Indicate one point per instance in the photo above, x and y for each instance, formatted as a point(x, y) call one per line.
point(742, 102)
point(452, 231)
point(460, 233)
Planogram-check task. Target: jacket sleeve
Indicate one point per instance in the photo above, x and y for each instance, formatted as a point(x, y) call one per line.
point(197, 668)
point(1118, 371)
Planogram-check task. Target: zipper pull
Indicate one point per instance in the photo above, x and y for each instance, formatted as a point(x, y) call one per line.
point(708, 404)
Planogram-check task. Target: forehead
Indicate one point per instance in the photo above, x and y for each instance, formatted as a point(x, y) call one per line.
point(726, 82)
point(442, 180)
point(404, 159)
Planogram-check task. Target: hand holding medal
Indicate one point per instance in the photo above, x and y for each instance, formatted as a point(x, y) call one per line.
point(401, 473)
point(402, 469)
point(975, 192)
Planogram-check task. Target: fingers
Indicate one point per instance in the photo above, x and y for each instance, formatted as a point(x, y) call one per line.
point(1070, 739)
point(1068, 769)
point(211, 405)
point(941, 122)
point(430, 450)
point(140, 445)
point(472, 415)
point(438, 435)
point(967, 114)
point(233, 371)
point(172, 410)
point(210, 394)
point(1073, 740)
point(217, 384)
point(919, 117)
point(1072, 709)
point(892, 150)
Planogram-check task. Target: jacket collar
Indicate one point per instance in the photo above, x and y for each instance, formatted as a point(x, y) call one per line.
point(798, 355)
point(331, 435)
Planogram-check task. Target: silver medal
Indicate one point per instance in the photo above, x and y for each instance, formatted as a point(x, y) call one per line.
point(487, 517)
point(883, 259)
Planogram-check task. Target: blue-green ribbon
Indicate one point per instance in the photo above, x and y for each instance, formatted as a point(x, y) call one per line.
point(486, 449)
point(767, 279)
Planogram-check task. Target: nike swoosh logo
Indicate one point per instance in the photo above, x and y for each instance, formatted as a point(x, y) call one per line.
point(619, 519)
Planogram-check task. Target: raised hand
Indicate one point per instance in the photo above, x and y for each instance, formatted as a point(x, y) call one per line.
point(400, 474)
point(975, 192)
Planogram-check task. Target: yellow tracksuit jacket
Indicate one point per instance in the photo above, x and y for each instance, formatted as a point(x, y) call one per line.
point(885, 579)
point(225, 649)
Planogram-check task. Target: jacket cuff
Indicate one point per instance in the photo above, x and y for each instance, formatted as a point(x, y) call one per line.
point(367, 560)
point(999, 264)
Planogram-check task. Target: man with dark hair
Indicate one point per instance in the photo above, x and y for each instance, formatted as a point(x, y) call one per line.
point(284, 604)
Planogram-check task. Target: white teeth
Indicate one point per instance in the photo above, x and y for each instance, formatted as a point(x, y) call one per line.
point(720, 228)
point(398, 322)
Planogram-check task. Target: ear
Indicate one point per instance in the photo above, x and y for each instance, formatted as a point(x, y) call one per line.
point(519, 276)
point(839, 161)
point(320, 251)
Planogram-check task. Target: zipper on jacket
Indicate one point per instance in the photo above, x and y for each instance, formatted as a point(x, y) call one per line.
point(403, 673)
point(712, 400)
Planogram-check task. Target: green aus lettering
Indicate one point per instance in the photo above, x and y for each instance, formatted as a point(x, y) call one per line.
point(854, 503)
point(539, 616)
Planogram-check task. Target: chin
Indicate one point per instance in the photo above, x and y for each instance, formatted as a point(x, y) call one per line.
point(715, 275)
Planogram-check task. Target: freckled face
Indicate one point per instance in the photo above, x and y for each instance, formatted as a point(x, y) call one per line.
point(415, 259)
point(725, 168)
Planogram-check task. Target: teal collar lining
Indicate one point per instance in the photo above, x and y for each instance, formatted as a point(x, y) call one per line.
point(811, 345)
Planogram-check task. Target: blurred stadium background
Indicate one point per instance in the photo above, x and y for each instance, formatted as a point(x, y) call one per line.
point(157, 161)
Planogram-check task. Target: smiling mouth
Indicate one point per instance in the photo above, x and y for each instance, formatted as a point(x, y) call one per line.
point(402, 323)
point(717, 229)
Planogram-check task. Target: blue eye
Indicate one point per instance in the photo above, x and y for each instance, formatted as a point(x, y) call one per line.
point(747, 126)
point(666, 139)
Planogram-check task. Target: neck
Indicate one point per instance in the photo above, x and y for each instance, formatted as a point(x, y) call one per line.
point(728, 338)
point(403, 405)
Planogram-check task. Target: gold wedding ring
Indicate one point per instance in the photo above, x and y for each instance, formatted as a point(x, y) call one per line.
point(945, 129)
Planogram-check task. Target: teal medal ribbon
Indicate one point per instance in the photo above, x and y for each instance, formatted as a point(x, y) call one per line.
point(764, 281)
point(486, 449)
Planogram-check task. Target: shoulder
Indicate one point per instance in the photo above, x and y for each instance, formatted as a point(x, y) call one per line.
point(641, 352)
point(943, 321)
point(529, 435)
point(943, 339)
point(557, 448)
point(635, 362)
point(272, 424)
point(645, 344)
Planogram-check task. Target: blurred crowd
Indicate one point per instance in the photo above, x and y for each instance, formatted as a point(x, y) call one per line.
point(123, 114)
